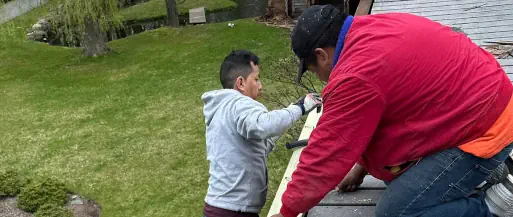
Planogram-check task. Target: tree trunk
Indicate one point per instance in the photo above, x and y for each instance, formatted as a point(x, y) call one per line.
point(172, 13)
point(277, 8)
point(94, 40)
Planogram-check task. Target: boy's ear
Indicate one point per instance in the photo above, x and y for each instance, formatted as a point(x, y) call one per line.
point(239, 83)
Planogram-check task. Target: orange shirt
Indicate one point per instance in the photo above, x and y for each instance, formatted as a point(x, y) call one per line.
point(496, 138)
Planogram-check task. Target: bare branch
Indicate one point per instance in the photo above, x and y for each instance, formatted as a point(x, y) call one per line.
point(287, 90)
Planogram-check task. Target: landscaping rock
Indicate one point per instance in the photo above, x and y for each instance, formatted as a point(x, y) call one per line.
point(40, 31)
point(38, 36)
point(37, 27)
point(46, 26)
point(82, 207)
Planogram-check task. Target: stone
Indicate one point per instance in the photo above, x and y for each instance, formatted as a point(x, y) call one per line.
point(37, 27)
point(76, 202)
point(37, 35)
point(46, 26)
point(40, 31)
point(87, 208)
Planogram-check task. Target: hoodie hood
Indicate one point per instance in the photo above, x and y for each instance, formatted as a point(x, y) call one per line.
point(213, 100)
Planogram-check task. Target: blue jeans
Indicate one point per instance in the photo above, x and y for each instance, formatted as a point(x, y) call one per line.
point(441, 185)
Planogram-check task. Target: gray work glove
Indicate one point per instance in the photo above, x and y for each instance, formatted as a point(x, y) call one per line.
point(309, 102)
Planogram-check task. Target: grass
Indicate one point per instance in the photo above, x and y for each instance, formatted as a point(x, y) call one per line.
point(157, 8)
point(125, 129)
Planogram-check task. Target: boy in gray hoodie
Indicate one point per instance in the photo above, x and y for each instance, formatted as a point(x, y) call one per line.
point(240, 134)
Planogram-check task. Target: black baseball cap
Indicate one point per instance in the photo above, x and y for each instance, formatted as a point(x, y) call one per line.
point(309, 28)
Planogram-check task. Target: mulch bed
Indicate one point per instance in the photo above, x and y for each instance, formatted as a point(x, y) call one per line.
point(80, 207)
point(280, 21)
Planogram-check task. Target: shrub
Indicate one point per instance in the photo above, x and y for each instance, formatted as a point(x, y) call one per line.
point(53, 210)
point(40, 192)
point(10, 184)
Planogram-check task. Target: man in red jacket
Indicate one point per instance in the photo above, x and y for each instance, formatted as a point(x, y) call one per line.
point(410, 102)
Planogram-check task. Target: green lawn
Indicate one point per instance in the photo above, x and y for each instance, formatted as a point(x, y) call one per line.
point(157, 8)
point(126, 129)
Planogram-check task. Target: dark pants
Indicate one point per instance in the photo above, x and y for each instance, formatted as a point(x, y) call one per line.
point(441, 185)
point(210, 211)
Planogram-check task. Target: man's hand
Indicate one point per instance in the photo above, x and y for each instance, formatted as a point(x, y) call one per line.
point(277, 215)
point(353, 179)
point(309, 103)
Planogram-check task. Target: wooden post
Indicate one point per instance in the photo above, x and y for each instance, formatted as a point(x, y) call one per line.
point(287, 8)
point(172, 13)
point(364, 8)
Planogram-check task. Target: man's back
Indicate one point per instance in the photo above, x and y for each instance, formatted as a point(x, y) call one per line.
point(433, 81)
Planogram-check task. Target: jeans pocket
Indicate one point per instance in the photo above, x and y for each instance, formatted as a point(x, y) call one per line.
point(466, 185)
point(448, 156)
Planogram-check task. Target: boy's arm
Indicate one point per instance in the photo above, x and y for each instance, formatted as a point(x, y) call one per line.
point(254, 121)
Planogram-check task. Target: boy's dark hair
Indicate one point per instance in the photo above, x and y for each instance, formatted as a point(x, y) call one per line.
point(236, 64)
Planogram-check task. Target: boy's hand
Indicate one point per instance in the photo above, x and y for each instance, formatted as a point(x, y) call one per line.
point(309, 102)
point(277, 215)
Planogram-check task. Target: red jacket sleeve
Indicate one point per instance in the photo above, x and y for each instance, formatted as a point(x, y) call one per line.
point(352, 112)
